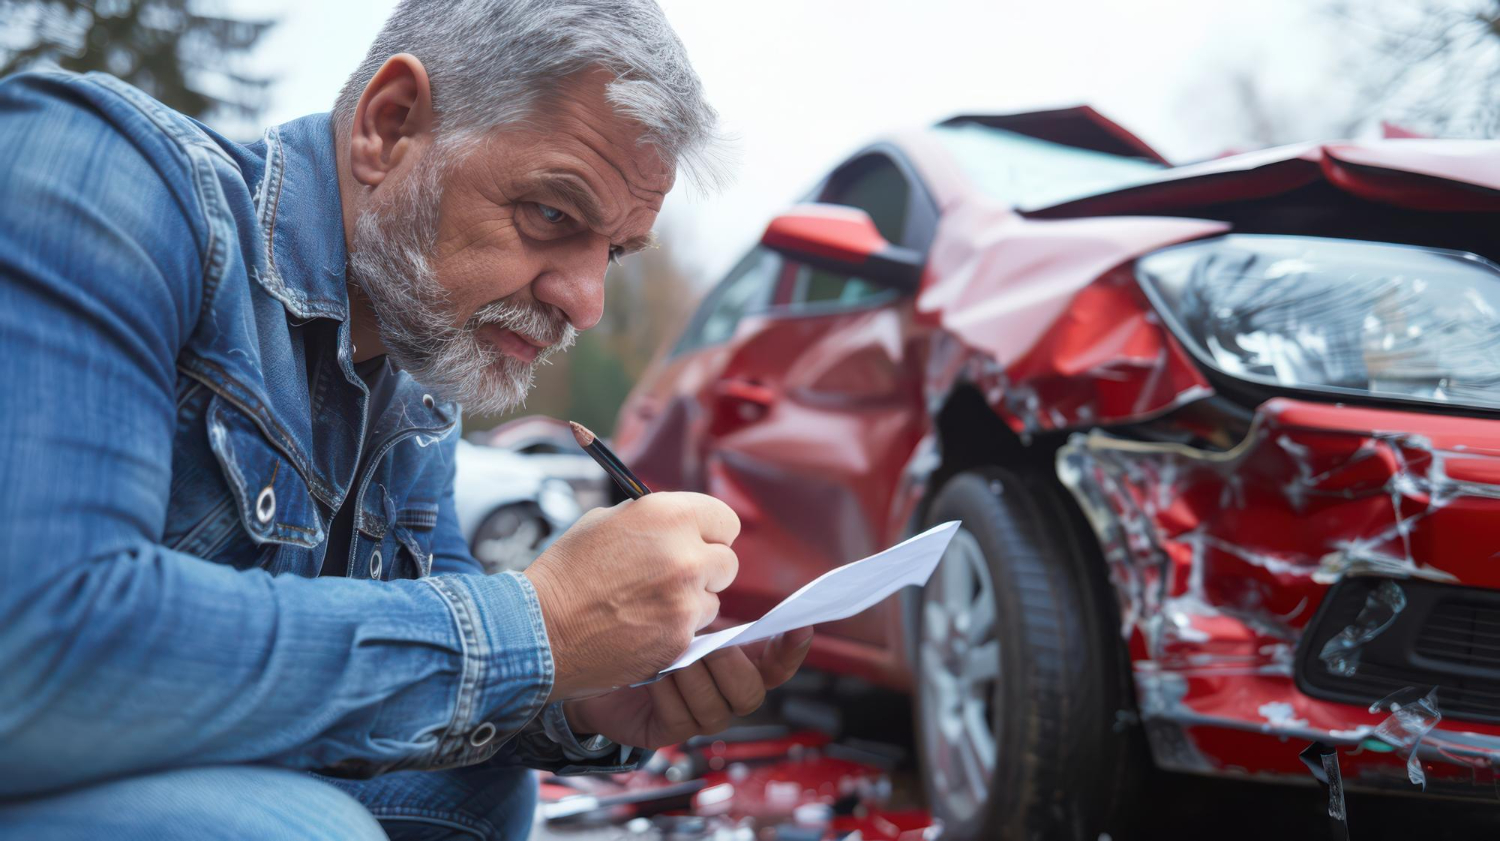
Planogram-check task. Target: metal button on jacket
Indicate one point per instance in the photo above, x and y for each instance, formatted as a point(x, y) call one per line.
point(265, 504)
point(375, 564)
point(482, 735)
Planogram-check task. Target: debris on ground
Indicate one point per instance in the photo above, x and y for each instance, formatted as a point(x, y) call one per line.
point(758, 783)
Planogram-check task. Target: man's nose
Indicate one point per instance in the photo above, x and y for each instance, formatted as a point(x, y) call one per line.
point(574, 282)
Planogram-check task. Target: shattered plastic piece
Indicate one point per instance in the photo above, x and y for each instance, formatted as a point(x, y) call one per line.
point(1382, 606)
point(1323, 761)
point(1411, 719)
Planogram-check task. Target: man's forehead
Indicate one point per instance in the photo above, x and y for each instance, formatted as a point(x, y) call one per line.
point(581, 115)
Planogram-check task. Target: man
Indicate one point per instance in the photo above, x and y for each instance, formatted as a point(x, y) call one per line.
point(235, 601)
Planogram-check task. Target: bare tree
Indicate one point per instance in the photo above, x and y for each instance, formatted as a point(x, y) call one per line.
point(176, 50)
point(1428, 65)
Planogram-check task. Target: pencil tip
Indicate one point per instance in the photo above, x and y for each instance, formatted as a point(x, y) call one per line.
point(581, 434)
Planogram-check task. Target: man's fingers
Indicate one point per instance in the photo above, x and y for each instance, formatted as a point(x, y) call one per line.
point(738, 679)
point(717, 522)
point(704, 701)
point(782, 656)
point(720, 567)
point(671, 713)
point(708, 610)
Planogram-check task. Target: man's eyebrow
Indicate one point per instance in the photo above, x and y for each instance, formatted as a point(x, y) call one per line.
point(574, 192)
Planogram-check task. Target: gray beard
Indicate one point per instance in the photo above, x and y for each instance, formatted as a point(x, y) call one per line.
point(389, 262)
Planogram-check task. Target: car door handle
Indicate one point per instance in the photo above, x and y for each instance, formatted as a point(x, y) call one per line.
point(746, 391)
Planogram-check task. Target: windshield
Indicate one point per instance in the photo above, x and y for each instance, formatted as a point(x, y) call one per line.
point(1024, 172)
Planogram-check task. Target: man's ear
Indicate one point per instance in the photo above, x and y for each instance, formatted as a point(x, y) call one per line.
point(393, 118)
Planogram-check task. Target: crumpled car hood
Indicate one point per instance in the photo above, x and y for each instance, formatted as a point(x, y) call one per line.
point(1415, 173)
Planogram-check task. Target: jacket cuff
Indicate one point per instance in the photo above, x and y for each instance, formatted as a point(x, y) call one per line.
point(507, 663)
point(555, 725)
point(548, 744)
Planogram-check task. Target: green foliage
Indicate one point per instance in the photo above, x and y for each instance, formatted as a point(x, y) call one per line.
point(597, 385)
point(172, 49)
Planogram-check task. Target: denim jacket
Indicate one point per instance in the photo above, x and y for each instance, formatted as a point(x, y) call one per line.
point(179, 421)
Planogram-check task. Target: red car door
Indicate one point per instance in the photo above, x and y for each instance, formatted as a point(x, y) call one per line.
point(663, 425)
point(794, 396)
point(814, 412)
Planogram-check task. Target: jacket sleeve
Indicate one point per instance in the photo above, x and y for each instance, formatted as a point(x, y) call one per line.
point(121, 656)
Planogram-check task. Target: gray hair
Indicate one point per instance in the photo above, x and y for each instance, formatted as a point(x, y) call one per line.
point(493, 62)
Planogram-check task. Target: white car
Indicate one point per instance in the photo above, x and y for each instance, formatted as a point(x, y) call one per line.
point(509, 509)
point(548, 443)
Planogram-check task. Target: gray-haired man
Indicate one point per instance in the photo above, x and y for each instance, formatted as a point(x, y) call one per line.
point(236, 602)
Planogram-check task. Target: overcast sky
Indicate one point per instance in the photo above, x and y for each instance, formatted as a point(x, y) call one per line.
point(802, 83)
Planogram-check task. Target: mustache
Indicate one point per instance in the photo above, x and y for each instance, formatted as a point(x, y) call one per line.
point(541, 322)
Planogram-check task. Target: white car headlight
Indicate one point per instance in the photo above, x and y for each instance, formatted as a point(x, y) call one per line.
point(1336, 315)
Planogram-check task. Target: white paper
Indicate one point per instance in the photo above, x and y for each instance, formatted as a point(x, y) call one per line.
point(836, 594)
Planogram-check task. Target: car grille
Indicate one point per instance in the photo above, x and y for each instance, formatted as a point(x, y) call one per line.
point(1465, 634)
point(1446, 637)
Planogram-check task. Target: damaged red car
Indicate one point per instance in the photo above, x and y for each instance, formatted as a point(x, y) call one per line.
point(1223, 438)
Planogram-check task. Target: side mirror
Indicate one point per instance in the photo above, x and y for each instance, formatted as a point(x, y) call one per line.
point(844, 240)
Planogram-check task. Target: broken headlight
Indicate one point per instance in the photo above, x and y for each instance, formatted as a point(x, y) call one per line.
point(1336, 315)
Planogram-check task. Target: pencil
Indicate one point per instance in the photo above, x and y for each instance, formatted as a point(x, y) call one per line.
point(633, 487)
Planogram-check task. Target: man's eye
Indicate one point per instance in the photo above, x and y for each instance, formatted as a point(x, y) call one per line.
point(551, 214)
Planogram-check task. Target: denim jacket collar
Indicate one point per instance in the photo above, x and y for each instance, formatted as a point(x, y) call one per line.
point(301, 263)
point(298, 204)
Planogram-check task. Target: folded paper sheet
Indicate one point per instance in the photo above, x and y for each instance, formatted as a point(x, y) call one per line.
point(836, 594)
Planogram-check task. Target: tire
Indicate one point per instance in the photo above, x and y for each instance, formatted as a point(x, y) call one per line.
point(510, 537)
point(1048, 675)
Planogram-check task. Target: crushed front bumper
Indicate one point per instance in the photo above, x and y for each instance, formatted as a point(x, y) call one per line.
point(1221, 559)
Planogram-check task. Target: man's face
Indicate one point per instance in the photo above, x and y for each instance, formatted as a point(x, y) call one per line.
point(481, 262)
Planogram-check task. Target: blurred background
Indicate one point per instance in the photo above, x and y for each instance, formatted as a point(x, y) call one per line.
point(801, 84)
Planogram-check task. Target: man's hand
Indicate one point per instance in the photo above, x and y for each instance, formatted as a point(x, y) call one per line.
point(624, 589)
point(703, 698)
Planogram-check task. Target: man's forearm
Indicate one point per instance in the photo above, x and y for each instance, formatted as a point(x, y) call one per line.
point(152, 659)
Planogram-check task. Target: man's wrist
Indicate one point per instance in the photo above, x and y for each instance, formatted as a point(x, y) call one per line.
point(576, 716)
point(541, 584)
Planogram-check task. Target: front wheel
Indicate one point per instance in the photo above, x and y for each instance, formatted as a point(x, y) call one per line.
point(1019, 671)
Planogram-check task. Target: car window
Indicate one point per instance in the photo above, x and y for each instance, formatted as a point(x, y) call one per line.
point(822, 289)
point(1026, 172)
point(746, 289)
point(875, 185)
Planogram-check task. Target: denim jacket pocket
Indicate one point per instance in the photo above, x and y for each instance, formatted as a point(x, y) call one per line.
point(272, 498)
point(414, 528)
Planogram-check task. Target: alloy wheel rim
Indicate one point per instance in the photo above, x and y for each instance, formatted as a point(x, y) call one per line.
point(959, 661)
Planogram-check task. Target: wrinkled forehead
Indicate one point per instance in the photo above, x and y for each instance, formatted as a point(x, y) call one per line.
point(580, 119)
